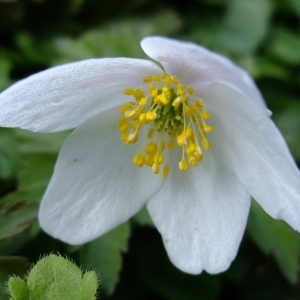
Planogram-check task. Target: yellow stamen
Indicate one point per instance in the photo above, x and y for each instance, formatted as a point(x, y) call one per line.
point(128, 91)
point(183, 166)
point(148, 79)
point(166, 171)
point(172, 115)
point(138, 159)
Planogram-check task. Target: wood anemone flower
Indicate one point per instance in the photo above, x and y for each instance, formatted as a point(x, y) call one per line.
point(190, 137)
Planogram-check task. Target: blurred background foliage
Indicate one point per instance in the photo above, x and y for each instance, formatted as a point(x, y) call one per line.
point(262, 36)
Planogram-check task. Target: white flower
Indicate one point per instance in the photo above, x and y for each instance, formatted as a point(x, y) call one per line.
point(225, 149)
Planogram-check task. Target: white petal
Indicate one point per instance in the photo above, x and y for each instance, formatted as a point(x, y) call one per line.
point(65, 96)
point(197, 66)
point(201, 215)
point(95, 185)
point(252, 147)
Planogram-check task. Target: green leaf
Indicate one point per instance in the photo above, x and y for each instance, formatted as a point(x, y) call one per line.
point(10, 158)
point(295, 6)
point(276, 238)
point(36, 142)
point(288, 122)
point(19, 209)
point(245, 25)
point(105, 254)
point(18, 288)
point(33, 178)
point(5, 66)
point(38, 51)
point(285, 46)
point(11, 265)
point(15, 218)
point(55, 277)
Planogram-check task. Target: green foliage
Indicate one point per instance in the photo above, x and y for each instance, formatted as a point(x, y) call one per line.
point(276, 238)
point(288, 122)
point(10, 159)
point(260, 35)
point(104, 254)
point(5, 66)
point(245, 25)
point(18, 289)
point(15, 218)
point(55, 277)
point(120, 38)
point(9, 266)
point(285, 45)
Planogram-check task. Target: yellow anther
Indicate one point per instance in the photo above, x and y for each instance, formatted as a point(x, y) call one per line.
point(148, 78)
point(122, 121)
point(181, 140)
point(190, 89)
point(171, 144)
point(188, 132)
point(151, 87)
point(138, 94)
point(143, 101)
point(165, 90)
point(183, 99)
point(200, 103)
point(125, 108)
point(191, 148)
point(176, 102)
point(136, 114)
point(174, 79)
point(139, 159)
point(163, 99)
point(207, 128)
point(205, 114)
point(151, 115)
point(193, 160)
point(166, 171)
point(159, 158)
point(183, 166)
point(169, 108)
point(188, 111)
point(124, 136)
point(148, 159)
point(129, 113)
point(142, 118)
point(194, 108)
point(132, 138)
point(150, 133)
point(164, 75)
point(151, 148)
point(124, 127)
point(205, 143)
point(156, 99)
point(167, 80)
point(198, 153)
point(155, 168)
point(154, 93)
point(128, 91)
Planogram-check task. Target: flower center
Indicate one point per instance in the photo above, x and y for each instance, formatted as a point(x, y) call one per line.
point(172, 117)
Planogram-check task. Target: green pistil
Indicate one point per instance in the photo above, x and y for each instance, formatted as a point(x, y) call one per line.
point(168, 117)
